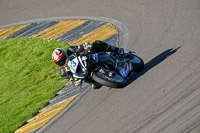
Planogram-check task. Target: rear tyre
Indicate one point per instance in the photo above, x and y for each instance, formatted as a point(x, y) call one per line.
point(115, 81)
point(138, 64)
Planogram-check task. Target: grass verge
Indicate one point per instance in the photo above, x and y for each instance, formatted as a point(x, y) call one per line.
point(28, 79)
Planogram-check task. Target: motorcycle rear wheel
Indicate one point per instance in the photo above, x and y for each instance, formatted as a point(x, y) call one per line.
point(115, 81)
point(138, 64)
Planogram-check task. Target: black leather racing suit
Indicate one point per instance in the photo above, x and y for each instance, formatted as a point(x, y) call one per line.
point(97, 46)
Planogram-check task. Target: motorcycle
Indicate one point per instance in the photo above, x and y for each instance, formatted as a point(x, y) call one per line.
point(105, 69)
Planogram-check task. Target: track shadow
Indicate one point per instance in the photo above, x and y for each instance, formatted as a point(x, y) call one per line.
point(152, 63)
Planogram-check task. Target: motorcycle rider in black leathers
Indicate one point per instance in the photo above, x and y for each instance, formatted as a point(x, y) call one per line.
point(60, 57)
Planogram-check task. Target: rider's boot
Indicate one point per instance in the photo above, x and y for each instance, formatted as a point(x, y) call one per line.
point(115, 49)
point(97, 45)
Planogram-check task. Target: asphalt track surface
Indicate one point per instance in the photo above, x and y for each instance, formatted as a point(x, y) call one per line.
point(165, 97)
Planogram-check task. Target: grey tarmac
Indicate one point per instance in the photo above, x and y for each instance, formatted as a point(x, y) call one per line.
point(165, 97)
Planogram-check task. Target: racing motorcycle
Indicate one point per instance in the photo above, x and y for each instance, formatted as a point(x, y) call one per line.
point(105, 69)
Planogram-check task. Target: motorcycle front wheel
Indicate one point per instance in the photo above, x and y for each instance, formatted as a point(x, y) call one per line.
point(115, 81)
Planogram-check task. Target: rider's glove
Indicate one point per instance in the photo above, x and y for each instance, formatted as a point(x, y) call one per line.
point(87, 46)
point(120, 51)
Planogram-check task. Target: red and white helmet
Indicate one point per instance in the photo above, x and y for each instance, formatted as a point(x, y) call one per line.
point(59, 56)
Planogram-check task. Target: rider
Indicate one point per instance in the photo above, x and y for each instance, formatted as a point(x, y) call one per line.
point(60, 57)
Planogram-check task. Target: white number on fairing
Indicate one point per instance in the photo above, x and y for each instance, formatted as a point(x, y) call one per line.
point(74, 65)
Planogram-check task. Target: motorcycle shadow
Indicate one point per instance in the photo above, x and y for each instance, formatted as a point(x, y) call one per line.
point(152, 63)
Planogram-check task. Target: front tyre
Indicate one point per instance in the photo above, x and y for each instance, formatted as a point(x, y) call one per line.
point(114, 81)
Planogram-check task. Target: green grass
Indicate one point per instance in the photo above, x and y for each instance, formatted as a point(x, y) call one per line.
point(28, 79)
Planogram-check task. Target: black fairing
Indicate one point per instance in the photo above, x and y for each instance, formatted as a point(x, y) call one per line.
point(106, 59)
